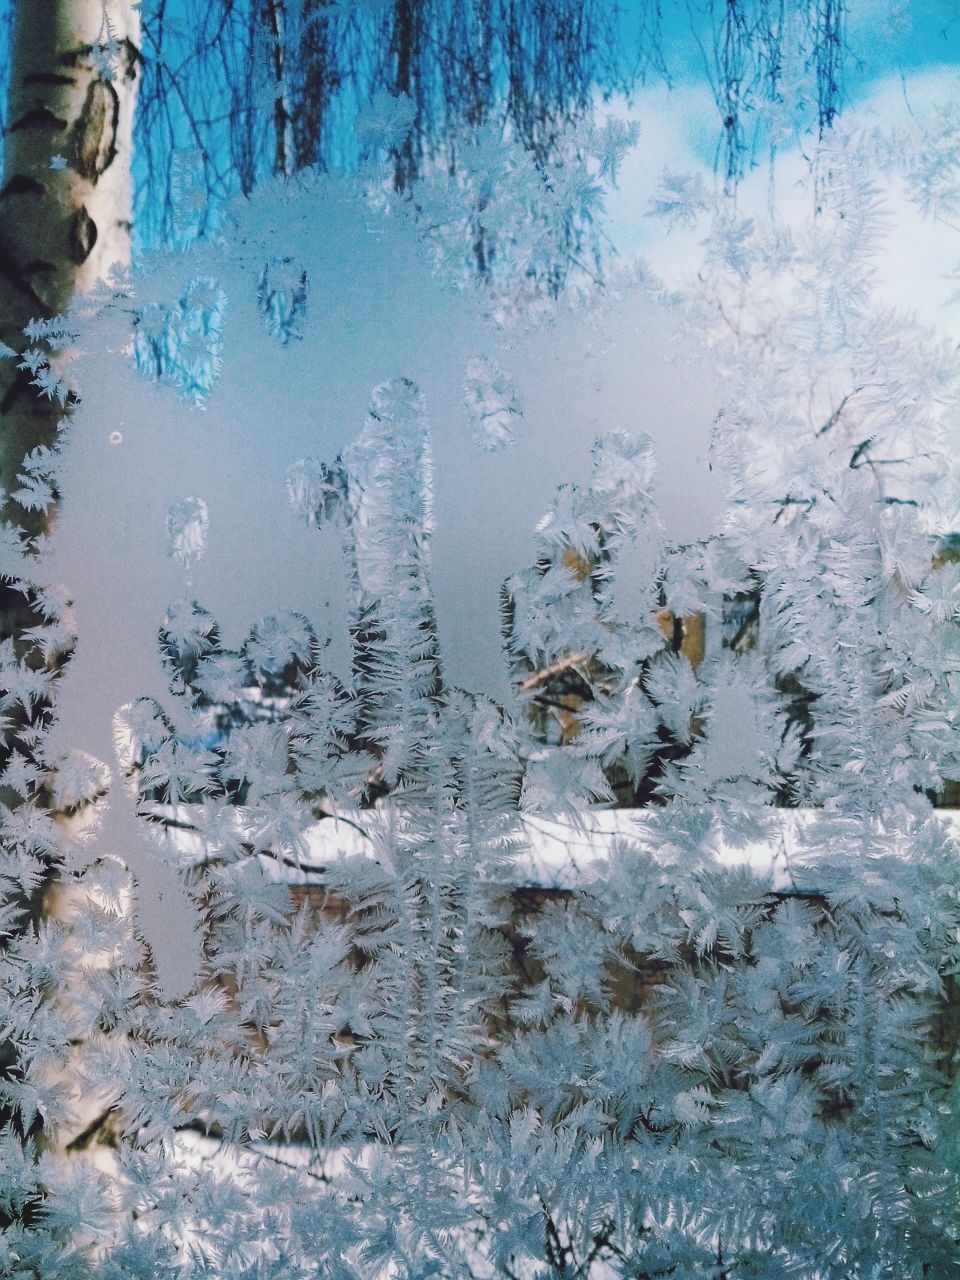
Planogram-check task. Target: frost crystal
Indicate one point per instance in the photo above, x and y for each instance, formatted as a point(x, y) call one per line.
point(325, 775)
point(187, 525)
point(315, 490)
point(492, 404)
point(386, 120)
point(282, 299)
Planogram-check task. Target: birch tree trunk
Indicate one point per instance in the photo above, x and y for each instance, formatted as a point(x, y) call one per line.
point(65, 211)
point(66, 195)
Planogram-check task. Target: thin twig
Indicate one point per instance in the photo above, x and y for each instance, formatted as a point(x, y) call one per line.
point(568, 661)
point(835, 416)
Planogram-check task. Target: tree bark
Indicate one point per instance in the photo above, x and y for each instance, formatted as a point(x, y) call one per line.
point(283, 159)
point(66, 189)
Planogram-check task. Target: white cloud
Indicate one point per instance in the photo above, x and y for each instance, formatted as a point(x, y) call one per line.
point(676, 127)
point(917, 262)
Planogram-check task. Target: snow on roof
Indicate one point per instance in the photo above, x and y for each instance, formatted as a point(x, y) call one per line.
point(548, 854)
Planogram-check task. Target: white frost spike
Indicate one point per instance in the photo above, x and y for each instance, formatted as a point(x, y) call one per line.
point(138, 731)
point(680, 199)
point(277, 640)
point(624, 465)
point(492, 402)
point(399, 400)
point(282, 298)
point(79, 779)
point(385, 120)
point(187, 524)
point(940, 595)
point(736, 742)
point(314, 490)
point(635, 575)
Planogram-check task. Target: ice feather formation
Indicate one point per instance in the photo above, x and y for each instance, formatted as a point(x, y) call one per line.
point(376, 312)
point(342, 555)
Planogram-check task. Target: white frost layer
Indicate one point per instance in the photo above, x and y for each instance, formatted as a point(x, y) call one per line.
point(164, 501)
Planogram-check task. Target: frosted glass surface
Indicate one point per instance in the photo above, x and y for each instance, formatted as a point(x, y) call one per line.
point(168, 500)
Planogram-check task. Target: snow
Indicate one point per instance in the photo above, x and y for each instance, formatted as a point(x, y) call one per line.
point(550, 853)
